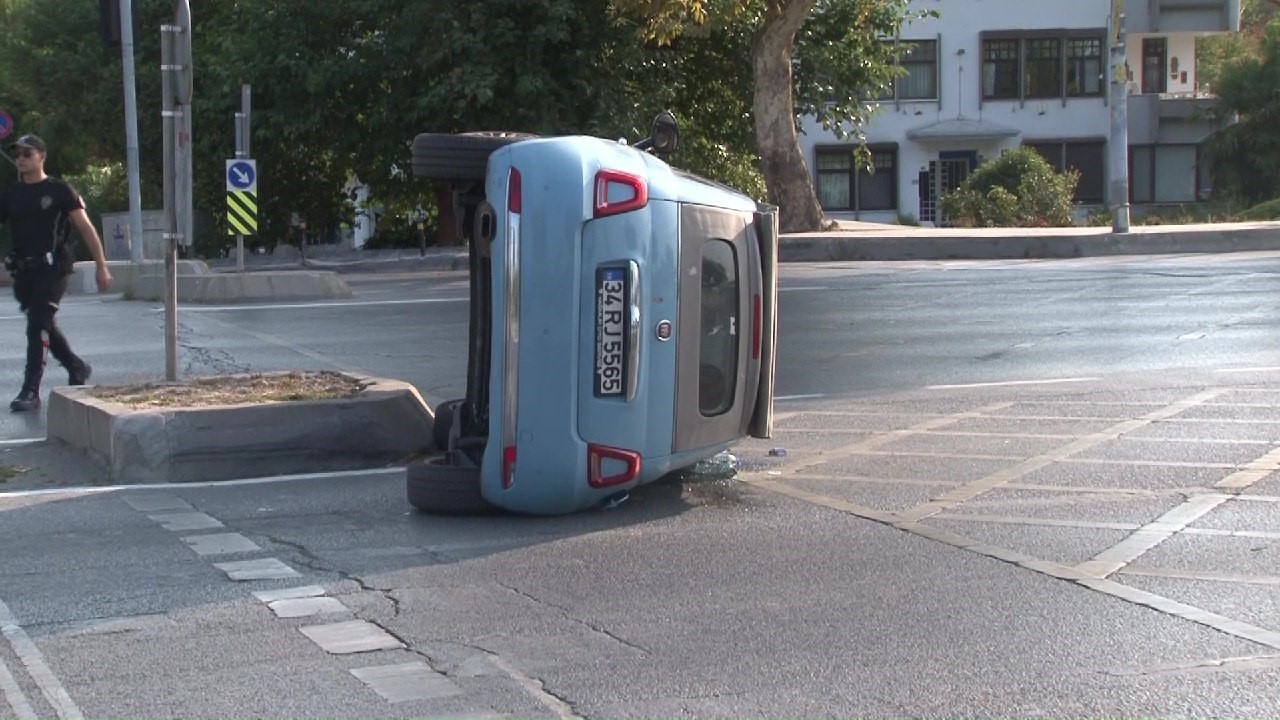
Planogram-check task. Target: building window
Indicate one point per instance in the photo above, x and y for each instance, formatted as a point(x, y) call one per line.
point(1154, 53)
point(1000, 69)
point(844, 184)
point(1166, 174)
point(1088, 157)
point(919, 58)
point(1084, 67)
point(1044, 68)
point(1019, 65)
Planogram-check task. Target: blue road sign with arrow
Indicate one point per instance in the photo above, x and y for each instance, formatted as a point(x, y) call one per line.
point(242, 175)
point(6, 124)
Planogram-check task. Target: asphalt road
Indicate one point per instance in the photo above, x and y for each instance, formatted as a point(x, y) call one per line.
point(996, 489)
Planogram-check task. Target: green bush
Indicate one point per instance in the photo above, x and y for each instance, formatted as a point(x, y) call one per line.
point(1018, 189)
point(1269, 210)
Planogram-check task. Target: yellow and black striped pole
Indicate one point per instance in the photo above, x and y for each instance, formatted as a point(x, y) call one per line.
point(242, 212)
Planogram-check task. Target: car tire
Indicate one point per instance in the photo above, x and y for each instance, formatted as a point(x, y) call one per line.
point(445, 415)
point(436, 486)
point(458, 158)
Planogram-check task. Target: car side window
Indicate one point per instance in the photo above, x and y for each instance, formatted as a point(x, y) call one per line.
point(718, 351)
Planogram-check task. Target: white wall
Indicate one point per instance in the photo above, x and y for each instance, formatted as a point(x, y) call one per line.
point(958, 29)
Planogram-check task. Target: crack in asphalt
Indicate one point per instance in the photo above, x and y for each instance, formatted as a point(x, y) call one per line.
point(568, 616)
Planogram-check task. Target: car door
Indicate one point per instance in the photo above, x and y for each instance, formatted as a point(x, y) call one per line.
point(720, 331)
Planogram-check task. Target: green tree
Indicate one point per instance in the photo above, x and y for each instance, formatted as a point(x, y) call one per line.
point(1245, 156)
point(1215, 52)
point(62, 83)
point(845, 61)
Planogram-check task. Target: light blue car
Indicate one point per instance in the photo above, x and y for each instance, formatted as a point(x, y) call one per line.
point(623, 321)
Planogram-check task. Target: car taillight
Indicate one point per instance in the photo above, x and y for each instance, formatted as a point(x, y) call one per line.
point(755, 326)
point(511, 339)
point(619, 192)
point(596, 456)
point(508, 466)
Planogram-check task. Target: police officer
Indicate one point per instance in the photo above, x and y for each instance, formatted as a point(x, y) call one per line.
point(40, 210)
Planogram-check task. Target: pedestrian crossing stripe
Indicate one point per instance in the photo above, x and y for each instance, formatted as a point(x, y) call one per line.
point(242, 212)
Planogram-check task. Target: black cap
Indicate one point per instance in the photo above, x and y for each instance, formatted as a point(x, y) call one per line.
point(28, 141)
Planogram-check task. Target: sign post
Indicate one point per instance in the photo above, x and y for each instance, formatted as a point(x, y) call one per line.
point(242, 202)
point(242, 184)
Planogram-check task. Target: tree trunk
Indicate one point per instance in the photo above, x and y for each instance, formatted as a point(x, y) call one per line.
point(786, 176)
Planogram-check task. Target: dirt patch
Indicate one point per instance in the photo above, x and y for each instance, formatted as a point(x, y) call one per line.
point(234, 390)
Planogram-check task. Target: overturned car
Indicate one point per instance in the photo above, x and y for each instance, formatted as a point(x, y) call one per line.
point(623, 320)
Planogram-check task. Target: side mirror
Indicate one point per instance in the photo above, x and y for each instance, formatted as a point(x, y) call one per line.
point(665, 135)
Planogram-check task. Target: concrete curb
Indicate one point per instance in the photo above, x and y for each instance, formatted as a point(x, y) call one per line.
point(386, 424)
point(895, 243)
point(227, 288)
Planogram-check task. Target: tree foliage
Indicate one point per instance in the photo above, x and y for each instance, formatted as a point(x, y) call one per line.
point(822, 57)
point(1215, 52)
point(340, 89)
point(1245, 156)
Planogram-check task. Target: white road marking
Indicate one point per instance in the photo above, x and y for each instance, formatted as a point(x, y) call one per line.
point(306, 591)
point(785, 398)
point(406, 681)
point(1273, 368)
point(265, 569)
point(1009, 383)
point(220, 544)
point(185, 521)
point(807, 288)
point(352, 636)
point(17, 442)
point(31, 657)
point(12, 693)
point(306, 607)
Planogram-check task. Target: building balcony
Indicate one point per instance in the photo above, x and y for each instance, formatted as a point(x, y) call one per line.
point(1178, 16)
point(1171, 119)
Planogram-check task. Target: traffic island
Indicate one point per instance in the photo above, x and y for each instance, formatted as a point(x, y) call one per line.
point(385, 423)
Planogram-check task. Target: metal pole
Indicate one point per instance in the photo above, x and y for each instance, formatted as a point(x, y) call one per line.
point(240, 154)
point(1118, 162)
point(169, 113)
point(242, 151)
point(131, 131)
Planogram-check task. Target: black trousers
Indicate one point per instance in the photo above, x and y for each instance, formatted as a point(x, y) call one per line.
point(39, 290)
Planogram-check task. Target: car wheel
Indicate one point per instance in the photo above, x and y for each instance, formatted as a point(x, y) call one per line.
point(446, 414)
point(436, 486)
point(462, 157)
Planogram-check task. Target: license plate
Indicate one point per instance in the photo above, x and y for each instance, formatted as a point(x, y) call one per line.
point(611, 332)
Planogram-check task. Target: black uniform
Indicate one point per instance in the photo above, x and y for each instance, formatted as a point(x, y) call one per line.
point(39, 215)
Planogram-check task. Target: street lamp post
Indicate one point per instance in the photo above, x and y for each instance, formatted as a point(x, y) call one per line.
point(1118, 165)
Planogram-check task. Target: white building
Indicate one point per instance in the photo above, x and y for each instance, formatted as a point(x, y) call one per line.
point(988, 75)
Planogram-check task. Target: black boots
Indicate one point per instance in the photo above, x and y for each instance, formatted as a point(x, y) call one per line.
point(26, 400)
point(79, 373)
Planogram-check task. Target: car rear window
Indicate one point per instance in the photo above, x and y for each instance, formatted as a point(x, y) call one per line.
point(718, 351)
